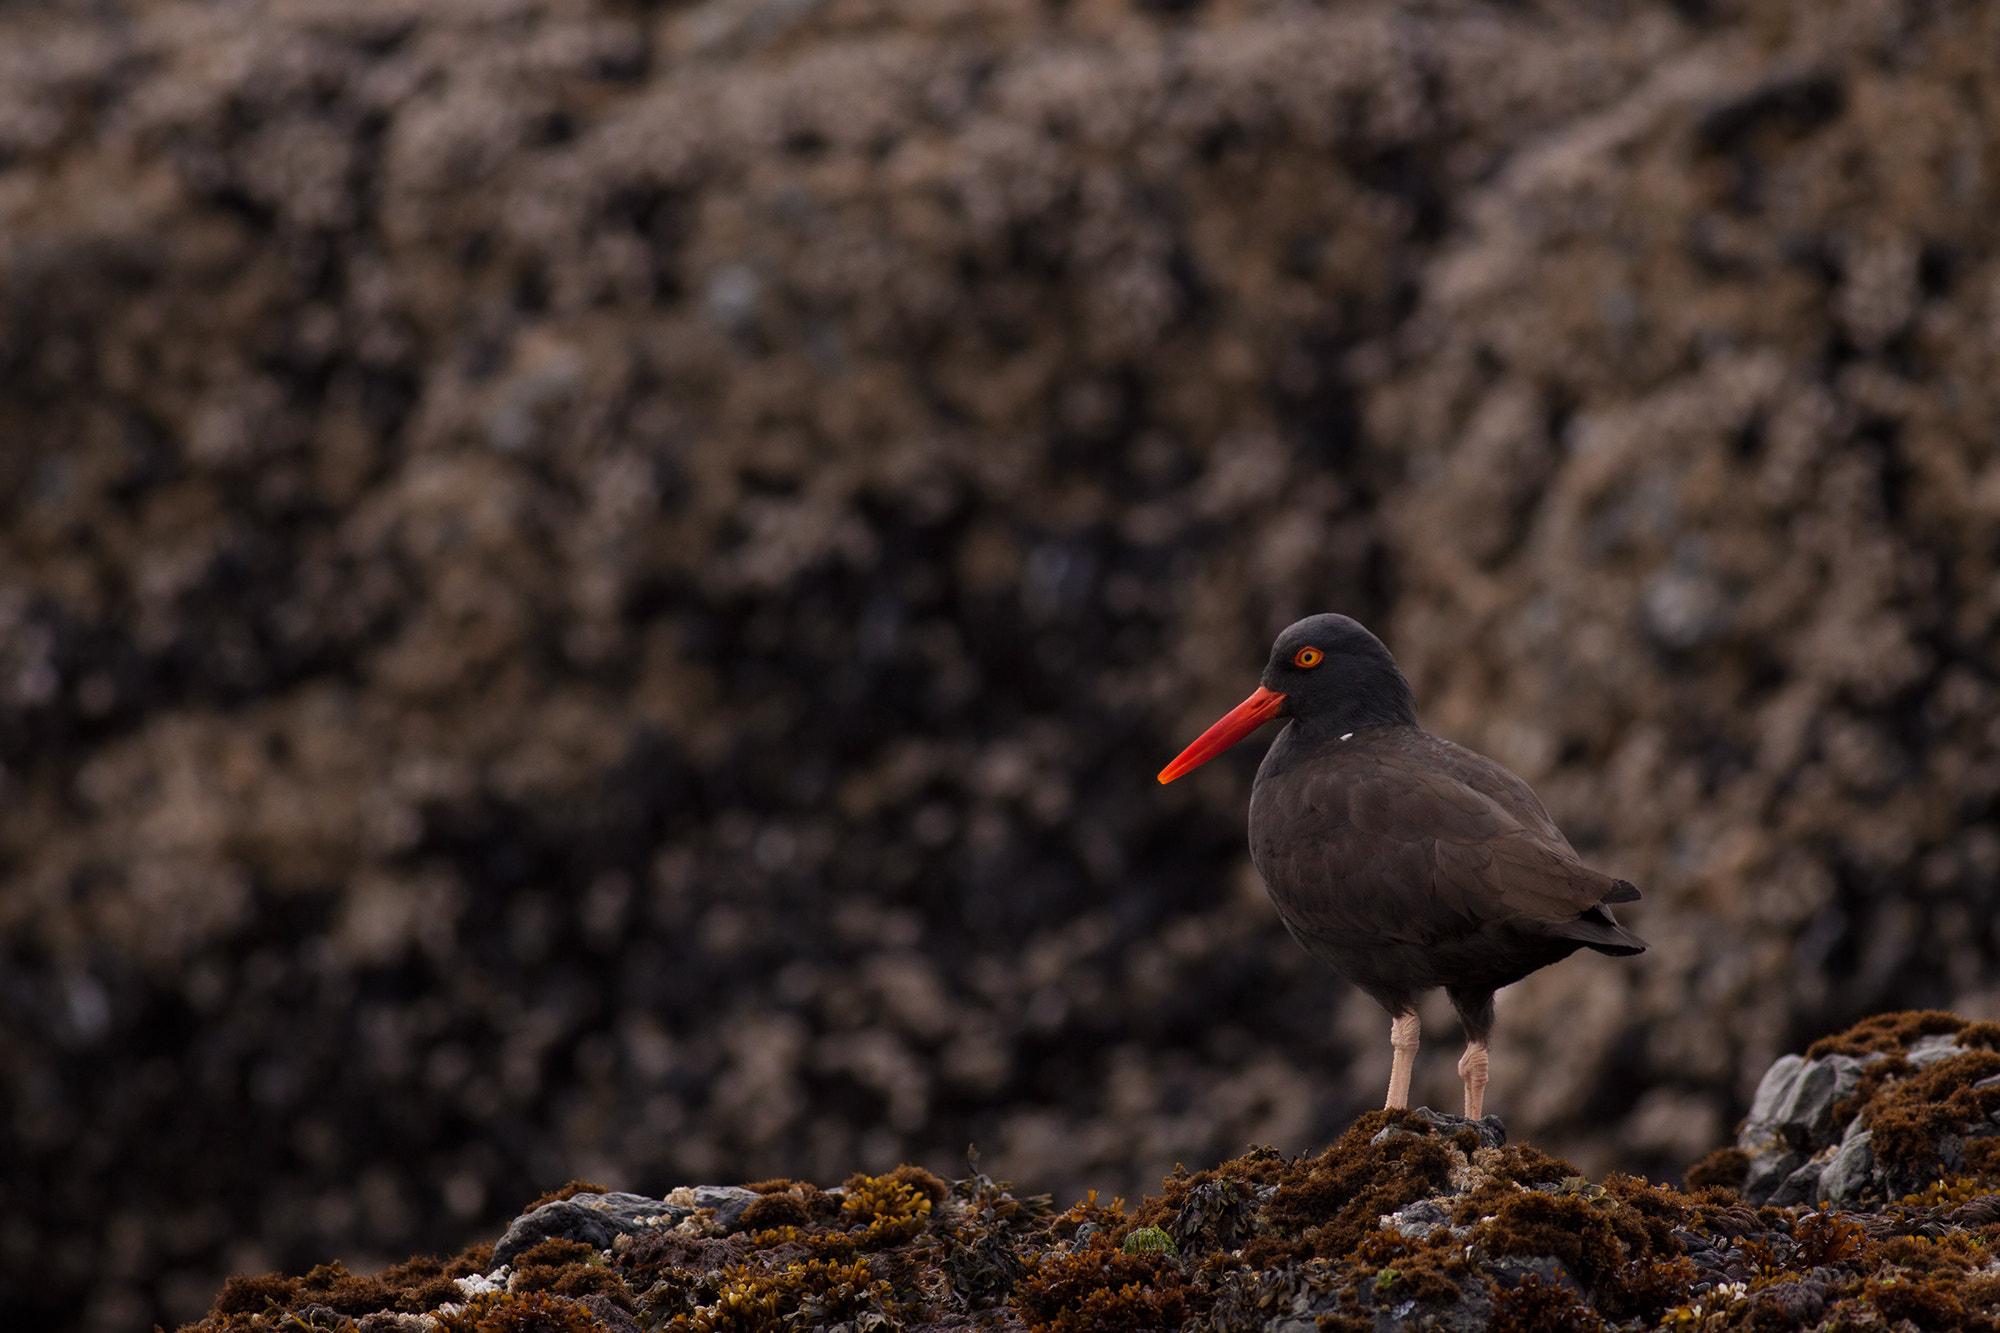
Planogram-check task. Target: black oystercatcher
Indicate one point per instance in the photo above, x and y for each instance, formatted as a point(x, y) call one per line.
point(1402, 861)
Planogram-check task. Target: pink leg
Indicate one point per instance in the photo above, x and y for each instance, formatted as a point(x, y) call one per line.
point(1472, 1069)
point(1404, 1032)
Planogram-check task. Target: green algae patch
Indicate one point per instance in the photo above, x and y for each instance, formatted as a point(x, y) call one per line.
point(1150, 1240)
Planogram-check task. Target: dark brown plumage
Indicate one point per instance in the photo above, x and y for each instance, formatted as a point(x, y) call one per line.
point(1402, 861)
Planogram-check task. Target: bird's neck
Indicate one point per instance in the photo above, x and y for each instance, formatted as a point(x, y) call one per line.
point(1306, 735)
point(1305, 739)
point(1385, 701)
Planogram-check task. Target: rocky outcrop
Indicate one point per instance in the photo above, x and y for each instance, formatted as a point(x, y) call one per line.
point(1413, 1219)
point(1881, 1112)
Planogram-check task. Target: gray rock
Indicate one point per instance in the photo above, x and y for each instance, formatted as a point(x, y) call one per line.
point(1418, 1220)
point(1927, 1051)
point(1773, 1090)
point(730, 1202)
point(1801, 1186)
point(1768, 1173)
point(594, 1219)
point(1794, 1104)
point(1492, 1133)
point(599, 1219)
point(1814, 1115)
point(1851, 1171)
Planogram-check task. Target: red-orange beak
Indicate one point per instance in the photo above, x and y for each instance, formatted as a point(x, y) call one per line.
point(1237, 723)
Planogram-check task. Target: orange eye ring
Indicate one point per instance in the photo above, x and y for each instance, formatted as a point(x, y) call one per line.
point(1308, 658)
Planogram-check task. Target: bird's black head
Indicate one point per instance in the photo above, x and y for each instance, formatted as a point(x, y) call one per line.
point(1328, 675)
point(1336, 675)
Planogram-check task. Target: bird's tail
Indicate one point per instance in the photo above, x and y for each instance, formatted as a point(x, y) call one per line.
point(1596, 929)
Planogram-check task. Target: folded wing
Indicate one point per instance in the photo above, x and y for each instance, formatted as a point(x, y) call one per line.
point(1407, 839)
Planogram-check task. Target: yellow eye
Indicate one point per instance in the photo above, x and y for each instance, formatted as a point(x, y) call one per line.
point(1307, 657)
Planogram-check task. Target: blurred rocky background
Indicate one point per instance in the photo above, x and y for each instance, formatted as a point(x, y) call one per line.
point(595, 588)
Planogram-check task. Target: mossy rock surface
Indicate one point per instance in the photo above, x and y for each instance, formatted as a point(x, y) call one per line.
point(1409, 1220)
